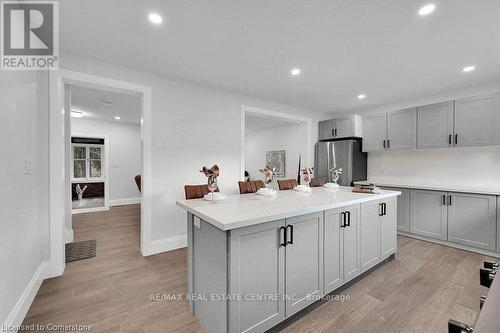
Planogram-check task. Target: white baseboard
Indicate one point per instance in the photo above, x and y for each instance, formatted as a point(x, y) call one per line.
point(166, 244)
point(89, 210)
point(69, 235)
point(18, 313)
point(127, 201)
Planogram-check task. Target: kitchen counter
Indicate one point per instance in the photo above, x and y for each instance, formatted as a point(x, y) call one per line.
point(254, 261)
point(451, 188)
point(236, 211)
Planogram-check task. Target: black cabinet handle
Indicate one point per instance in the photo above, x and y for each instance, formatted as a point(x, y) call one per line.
point(381, 210)
point(449, 139)
point(388, 144)
point(282, 243)
point(291, 234)
point(450, 200)
point(456, 138)
point(444, 199)
point(342, 223)
point(348, 218)
point(384, 209)
point(333, 132)
point(384, 144)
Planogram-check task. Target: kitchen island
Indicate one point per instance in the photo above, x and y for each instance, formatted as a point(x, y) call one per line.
point(254, 261)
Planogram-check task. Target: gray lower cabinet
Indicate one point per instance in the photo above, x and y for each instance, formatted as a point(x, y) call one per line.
point(498, 223)
point(257, 268)
point(428, 213)
point(369, 230)
point(403, 214)
point(341, 246)
point(303, 261)
point(472, 220)
point(388, 229)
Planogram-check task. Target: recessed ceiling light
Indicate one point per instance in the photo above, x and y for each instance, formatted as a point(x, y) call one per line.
point(427, 9)
point(117, 118)
point(468, 69)
point(155, 18)
point(361, 96)
point(295, 71)
point(76, 114)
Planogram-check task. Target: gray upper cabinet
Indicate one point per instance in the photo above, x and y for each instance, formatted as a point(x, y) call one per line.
point(369, 235)
point(477, 120)
point(435, 125)
point(326, 129)
point(303, 261)
point(337, 128)
point(374, 132)
point(402, 129)
point(257, 266)
point(428, 213)
point(388, 240)
point(472, 220)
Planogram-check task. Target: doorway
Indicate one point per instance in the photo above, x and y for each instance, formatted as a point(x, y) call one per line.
point(62, 166)
point(279, 139)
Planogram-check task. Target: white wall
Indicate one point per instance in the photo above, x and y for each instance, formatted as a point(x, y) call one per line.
point(472, 167)
point(192, 126)
point(257, 143)
point(24, 226)
point(124, 154)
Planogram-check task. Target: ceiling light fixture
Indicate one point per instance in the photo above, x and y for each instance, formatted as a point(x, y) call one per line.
point(295, 71)
point(361, 96)
point(76, 114)
point(117, 118)
point(427, 9)
point(155, 18)
point(468, 69)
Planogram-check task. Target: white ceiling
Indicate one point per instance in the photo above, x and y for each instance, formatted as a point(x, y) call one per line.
point(93, 104)
point(255, 123)
point(380, 48)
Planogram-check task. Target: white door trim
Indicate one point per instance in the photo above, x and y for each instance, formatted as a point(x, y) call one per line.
point(250, 110)
point(58, 79)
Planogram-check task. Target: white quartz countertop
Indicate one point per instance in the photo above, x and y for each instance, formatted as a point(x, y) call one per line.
point(451, 188)
point(237, 211)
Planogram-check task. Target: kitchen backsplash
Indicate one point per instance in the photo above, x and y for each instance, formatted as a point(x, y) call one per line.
point(471, 166)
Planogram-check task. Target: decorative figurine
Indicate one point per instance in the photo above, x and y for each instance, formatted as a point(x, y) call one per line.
point(268, 175)
point(307, 175)
point(335, 172)
point(212, 175)
point(79, 191)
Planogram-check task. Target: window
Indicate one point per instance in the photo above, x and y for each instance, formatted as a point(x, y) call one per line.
point(87, 162)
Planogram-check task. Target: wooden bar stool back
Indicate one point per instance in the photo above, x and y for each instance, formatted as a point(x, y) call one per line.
point(250, 186)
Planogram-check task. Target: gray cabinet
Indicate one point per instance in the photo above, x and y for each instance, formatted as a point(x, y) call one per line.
point(472, 220)
point(402, 129)
point(477, 120)
point(428, 213)
point(257, 267)
point(369, 230)
point(403, 214)
point(435, 125)
point(303, 261)
point(498, 223)
point(374, 132)
point(388, 240)
point(341, 246)
point(337, 128)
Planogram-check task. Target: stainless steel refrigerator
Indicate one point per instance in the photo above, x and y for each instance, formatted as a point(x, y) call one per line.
point(345, 154)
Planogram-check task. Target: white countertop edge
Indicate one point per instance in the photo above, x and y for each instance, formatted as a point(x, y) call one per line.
point(431, 187)
point(270, 218)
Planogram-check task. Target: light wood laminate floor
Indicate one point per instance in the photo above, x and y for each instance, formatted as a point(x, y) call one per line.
point(417, 292)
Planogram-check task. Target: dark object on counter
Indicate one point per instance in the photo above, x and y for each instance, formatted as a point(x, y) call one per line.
point(287, 184)
point(250, 186)
point(371, 188)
